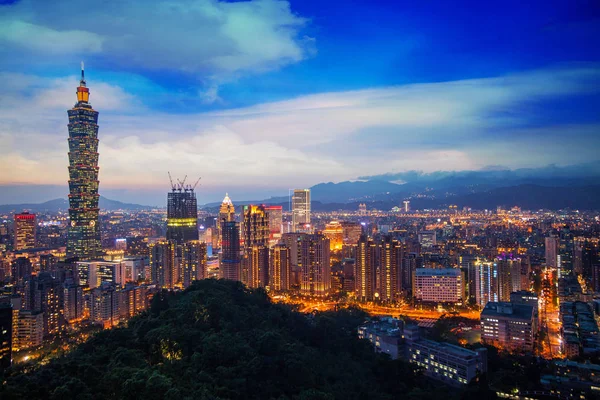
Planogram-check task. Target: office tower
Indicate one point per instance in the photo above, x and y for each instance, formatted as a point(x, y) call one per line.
point(21, 269)
point(230, 251)
point(83, 239)
point(364, 276)
point(255, 262)
point(25, 229)
point(427, 239)
point(315, 265)
point(512, 326)
point(279, 268)
point(439, 285)
point(193, 262)
point(406, 206)
point(163, 264)
point(551, 250)
point(95, 273)
point(275, 215)
point(300, 208)
point(182, 213)
point(6, 333)
point(226, 214)
point(508, 274)
point(73, 303)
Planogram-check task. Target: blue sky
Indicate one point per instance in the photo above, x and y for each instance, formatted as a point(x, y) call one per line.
point(260, 96)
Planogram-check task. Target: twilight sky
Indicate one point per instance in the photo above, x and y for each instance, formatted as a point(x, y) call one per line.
point(260, 96)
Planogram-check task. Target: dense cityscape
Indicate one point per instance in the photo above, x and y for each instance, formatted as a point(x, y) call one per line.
point(299, 200)
point(441, 286)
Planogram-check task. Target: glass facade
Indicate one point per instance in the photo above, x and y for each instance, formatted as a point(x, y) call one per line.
point(84, 231)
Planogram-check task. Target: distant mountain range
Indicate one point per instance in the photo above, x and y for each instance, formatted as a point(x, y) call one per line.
point(63, 205)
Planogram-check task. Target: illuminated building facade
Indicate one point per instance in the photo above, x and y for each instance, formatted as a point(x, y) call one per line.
point(182, 214)
point(6, 322)
point(509, 325)
point(226, 214)
point(389, 284)
point(163, 264)
point(364, 275)
point(230, 251)
point(83, 238)
point(300, 208)
point(443, 285)
point(193, 262)
point(551, 251)
point(314, 265)
point(25, 231)
point(335, 233)
point(256, 232)
point(279, 268)
point(275, 215)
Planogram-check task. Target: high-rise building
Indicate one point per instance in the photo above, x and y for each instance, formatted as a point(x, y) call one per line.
point(275, 215)
point(389, 282)
point(315, 265)
point(279, 268)
point(83, 239)
point(486, 282)
point(230, 251)
point(226, 214)
point(406, 206)
point(30, 329)
point(300, 208)
point(25, 231)
point(193, 262)
point(21, 269)
point(551, 250)
point(6, 324)
point(335, 233)
point(365, 270)
point(73, 303)
point(163, 264)
point(255, 263)
point(182, 213)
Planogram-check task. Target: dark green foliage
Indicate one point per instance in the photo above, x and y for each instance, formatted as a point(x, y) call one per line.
point(219, 340)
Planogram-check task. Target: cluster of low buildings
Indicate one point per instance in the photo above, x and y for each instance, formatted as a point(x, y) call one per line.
point(451, 364)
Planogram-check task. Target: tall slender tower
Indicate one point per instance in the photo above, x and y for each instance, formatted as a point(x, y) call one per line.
point(84, 233)
point(300, 209)
point(226, 214)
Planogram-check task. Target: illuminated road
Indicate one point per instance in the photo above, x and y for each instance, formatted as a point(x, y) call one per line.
point(404, 310)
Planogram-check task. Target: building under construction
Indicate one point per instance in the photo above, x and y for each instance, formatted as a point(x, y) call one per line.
point(182, 212)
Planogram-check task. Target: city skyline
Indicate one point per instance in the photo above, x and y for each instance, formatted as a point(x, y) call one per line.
point(409, 98)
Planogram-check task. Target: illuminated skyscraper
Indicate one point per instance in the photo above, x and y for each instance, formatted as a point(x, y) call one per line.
point(275, 214)
point(226, 214)
point(279, 268)
point(315, 265)
point(255, 263)
point(25, 231)
point(193, 262)
point(163, 264)
point(364, 275)
point(84, 232)
point(230, 251)
point(182, 213)
point(551, 250)
point(300, 208)
point(6, 334)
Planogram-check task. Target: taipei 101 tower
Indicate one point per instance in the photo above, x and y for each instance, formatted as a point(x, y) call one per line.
point(83, 239)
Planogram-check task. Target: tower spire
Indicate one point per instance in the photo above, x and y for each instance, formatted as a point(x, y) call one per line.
point(83, 93)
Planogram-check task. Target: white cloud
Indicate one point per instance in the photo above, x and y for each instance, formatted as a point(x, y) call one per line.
point(299, 142)
point(214, 40)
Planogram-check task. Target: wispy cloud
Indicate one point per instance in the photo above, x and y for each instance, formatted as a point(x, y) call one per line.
point(460, 125)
